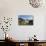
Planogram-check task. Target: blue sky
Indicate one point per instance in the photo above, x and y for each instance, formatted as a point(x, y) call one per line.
point(29, 17)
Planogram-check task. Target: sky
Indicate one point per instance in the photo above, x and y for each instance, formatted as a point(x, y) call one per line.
point(29, 17)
